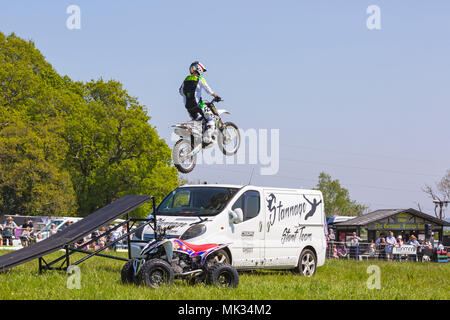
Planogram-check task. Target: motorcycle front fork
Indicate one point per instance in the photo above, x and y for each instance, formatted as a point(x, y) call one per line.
point(195, 149)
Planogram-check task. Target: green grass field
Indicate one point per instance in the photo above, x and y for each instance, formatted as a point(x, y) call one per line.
point(100, 279)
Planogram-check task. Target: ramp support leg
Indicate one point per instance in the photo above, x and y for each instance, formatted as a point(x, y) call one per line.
point(40, 264)
point(67, 257)
point(128, 237)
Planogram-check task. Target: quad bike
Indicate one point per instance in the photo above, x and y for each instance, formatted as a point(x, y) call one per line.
point(164, 259)
point(185, 151)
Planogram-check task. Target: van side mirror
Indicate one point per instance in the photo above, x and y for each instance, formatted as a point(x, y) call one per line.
point(236, 216)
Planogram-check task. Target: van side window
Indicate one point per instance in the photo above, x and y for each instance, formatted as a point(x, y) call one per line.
point(249, 202)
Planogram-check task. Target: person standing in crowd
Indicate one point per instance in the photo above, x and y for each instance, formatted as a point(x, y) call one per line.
point(115, 235)
point(397, 257)
point(68, 224)
point(39, 237)
point(390, 243)
point(103, 237)
point(102, 244)
point(354, 246)
point(52, 229)
point(95, 235)
point(372, 249)
point(335, 252)
point(399, 241)
point(25, 237)
point(427, 251)
point(1, 234)
point(28, 223)
point(330, 238)
point(382, 249)
point(378, 241)
point(413, 242)
point(420, 250)
point(8, 231)
point(124, 231)
point(342, 251)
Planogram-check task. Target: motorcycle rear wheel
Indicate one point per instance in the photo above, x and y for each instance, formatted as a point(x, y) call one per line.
point(183, 163)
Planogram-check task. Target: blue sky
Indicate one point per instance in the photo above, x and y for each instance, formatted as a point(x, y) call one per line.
point(369, 107)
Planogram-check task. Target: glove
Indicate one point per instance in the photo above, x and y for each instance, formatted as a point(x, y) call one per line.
point(217, 99)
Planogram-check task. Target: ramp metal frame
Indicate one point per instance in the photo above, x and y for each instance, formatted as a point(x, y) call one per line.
point(71, 248)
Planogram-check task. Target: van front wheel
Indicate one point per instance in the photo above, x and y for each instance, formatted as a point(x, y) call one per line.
point(307, 263)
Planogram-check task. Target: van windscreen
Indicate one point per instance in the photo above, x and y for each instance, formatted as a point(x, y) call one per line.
point(197, 201)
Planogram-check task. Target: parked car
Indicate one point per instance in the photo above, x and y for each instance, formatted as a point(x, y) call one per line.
point(60, 224)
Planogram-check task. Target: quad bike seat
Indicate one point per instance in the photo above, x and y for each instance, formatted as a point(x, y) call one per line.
point(199, 247)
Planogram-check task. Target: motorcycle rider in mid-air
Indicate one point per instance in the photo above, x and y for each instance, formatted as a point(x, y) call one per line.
point(191, 90)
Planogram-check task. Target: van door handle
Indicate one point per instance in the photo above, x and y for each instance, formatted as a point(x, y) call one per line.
point(260, 226)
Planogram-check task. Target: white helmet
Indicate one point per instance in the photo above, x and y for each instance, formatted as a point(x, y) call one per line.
point(197, 67)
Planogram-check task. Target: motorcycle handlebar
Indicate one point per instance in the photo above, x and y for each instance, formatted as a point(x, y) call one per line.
point(214, 100)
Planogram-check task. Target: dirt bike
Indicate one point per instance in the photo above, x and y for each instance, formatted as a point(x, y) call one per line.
point(185, 151)
point(164, 259)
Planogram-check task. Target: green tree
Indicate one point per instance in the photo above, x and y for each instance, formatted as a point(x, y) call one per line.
point(32, 151)
point(72, 147)
point(32, 180)
point(337, 199)
point(113, 150)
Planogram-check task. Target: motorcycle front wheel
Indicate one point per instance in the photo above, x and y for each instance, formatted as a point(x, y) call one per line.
point(181, 160)
point(229, 139)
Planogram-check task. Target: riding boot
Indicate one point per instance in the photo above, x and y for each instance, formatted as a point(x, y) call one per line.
point(207, 136)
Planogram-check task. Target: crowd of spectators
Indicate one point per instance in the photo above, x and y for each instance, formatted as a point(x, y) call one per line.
point(28, 235)
point(103, 237)
point(382, 248)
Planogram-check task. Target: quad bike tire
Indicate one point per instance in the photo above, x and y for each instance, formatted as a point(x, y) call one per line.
point(155, 273)
point(220, 256)
point(221, 137)
point(222, 275)
point(127, 273)
point(176, 160)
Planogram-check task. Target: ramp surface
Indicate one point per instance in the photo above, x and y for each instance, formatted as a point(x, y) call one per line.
point(74, 232)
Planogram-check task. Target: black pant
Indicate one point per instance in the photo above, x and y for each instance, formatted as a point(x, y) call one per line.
point(7, 239)
point(354, 252)
point(195, 112)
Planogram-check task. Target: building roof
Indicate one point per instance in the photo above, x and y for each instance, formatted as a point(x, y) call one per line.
point(385, 213)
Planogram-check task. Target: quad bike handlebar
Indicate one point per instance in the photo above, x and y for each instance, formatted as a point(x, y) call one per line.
point(161, 232)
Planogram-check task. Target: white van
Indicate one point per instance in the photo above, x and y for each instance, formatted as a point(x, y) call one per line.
point(267, 228)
